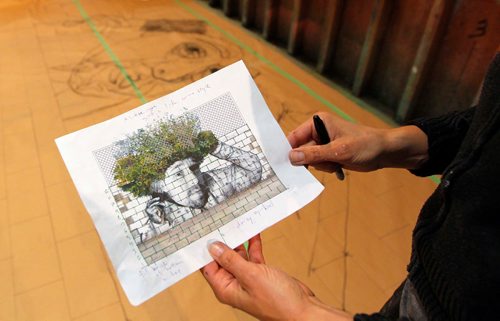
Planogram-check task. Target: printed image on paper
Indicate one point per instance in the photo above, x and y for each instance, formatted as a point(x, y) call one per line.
point(178, 179)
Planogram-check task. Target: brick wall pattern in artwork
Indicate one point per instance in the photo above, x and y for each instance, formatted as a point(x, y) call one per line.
point(156, 241)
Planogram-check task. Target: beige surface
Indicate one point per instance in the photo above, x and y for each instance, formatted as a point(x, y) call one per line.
point(52, 264)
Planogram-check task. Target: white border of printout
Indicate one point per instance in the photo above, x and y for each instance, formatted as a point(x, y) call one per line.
point(138, 282)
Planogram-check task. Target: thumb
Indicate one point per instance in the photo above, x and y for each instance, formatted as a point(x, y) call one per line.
point(314, 154)
point(230, 260)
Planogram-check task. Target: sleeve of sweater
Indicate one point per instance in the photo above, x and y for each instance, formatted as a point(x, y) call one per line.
point(444, 135)
point(373, 317)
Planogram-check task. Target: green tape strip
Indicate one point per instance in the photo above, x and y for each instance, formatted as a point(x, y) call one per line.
point(245, 47)
point(435, 179)
point(285, 74)
point(280, 71)
point(108, 50)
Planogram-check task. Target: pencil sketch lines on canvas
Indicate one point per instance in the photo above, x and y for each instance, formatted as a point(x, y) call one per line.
point(182, 178)
point(159, 56)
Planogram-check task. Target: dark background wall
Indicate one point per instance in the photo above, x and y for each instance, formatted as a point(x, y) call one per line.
point(407, 58)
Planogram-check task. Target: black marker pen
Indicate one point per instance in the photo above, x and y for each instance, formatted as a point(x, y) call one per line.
point(324, 139)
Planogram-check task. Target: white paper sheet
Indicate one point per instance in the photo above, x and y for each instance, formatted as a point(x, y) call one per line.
point(243, 186)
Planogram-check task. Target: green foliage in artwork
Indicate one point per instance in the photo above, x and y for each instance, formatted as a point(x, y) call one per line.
point(146, 154)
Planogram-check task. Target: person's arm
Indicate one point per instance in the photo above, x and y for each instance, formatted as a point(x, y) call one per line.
point(375, 317)
point(357, 147)
point(445, 135)
point(425, 146)
point(248, 164)
point(239, 157)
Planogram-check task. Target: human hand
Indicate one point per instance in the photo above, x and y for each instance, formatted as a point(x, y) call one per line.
point(243, 281)
point(357, 147)
point(156, 211)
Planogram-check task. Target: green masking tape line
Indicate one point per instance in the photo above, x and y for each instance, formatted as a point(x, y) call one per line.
point(108, 50)
point(283, 73)
point(435, 179)
point(247, 48)
point(280, 71)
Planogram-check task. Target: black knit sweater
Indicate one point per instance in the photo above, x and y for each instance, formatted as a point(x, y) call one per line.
point(455, 262)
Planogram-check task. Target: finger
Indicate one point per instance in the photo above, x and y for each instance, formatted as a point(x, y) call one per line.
point(223, 284)
point(210, 270)
point(309, 143)
point(332, 152)
point(328, 167)
point(305, 288)
point(302, 134)
point(231, 261)
point(255, 254)
point(242, 251)
point(153, 202)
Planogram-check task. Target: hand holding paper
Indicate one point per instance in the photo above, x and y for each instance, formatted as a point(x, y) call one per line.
point(244, 281)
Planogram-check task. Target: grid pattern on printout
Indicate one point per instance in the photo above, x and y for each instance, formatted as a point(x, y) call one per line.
point(156, 241)
point(210, 115)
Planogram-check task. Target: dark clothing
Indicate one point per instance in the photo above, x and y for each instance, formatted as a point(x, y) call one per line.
point(455, 262)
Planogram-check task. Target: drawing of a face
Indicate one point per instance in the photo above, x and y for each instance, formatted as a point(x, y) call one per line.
point(182, 184)
point(159, 56)
point(156, 63)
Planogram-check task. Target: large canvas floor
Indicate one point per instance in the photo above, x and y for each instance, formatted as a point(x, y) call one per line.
point(57, 75)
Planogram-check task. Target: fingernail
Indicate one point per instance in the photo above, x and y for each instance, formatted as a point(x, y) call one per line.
point(215, 248)
point(297, 157)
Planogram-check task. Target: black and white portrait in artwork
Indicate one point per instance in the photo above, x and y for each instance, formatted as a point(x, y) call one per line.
point(184, 185)
point(181, 178)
